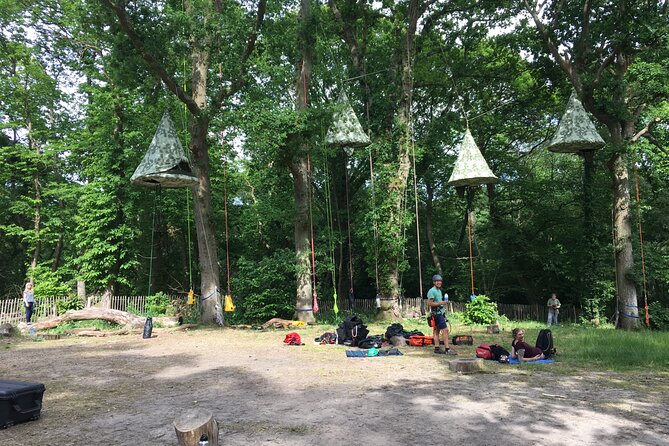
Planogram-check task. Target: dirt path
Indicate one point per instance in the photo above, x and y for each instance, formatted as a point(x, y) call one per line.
point(127, 391)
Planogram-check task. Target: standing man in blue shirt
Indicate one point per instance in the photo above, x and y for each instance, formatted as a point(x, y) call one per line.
point(436, 301)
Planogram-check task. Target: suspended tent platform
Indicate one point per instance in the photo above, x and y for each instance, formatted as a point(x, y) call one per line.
point(470, 169)
point(576, 132)
point(164, 164)
point(346, 130)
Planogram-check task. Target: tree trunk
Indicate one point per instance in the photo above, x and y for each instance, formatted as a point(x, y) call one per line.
point(299, 169)
point(193, 424)
point(430, 234)
point(212, 312)
point(625, 284)
point(389, 281)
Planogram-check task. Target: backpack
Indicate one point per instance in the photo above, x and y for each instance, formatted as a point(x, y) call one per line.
point(351, 331)
point(371, 342)
point(545, 343)
point(420, 341)
point(492, 352)
point(394, 330)
point(328, 337)
point(462, 340)
point(292, 339)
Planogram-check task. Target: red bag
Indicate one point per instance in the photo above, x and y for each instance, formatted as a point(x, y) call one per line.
point(293, 339)
point(420, 341)
point(484, 351)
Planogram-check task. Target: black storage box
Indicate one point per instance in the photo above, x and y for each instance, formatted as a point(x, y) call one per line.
point(19, 401)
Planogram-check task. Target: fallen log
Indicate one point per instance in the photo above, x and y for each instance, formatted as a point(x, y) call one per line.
point(118, 317)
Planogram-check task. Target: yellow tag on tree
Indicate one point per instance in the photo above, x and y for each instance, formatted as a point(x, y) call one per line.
point(191, 297)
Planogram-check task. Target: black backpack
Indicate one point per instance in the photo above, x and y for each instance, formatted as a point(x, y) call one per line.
point(352, 330)
point(373, 341)
point(394, 330)
point(545, 342)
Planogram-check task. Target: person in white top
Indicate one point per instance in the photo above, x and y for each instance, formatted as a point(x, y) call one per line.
point(29, 301)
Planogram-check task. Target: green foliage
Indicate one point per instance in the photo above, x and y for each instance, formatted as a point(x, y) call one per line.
point(160, 304)
point(265, 288)
point(50, 283)
point(70, 303)
point(481, 311)
point(659, 316)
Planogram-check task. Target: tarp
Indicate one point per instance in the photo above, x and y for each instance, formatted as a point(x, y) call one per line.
point(164, 164)
point(470, 169)
point(576, 132)
point(346, 130)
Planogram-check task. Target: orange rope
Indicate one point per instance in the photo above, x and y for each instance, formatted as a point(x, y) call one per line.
point(643, 258)
point(471, 260)
point(225, 214)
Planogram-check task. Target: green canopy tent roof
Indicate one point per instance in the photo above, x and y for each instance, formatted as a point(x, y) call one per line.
point(346, 130)
point(164, 164)
point(470, 169)
point(576, 132)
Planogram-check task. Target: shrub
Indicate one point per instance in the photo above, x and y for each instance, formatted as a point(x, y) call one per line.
point(264, 288)
point(481, 311)
point(69, 303)
point(160, 304)
point(659, 316)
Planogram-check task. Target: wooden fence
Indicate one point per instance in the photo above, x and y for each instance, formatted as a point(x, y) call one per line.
point(13, 312)
point(515, 312)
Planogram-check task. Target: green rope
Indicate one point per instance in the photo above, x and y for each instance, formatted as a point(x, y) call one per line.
point(328, 212)
point(190, 245)
point(153, 232)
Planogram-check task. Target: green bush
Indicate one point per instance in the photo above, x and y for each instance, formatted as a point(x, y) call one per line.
point(69, 303)
point(160, 304)
point(659, 316)
point(265, 288)
point(481, 311)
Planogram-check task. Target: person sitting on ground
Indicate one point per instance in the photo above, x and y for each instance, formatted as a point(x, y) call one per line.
point(521, 350)
point(436, 302)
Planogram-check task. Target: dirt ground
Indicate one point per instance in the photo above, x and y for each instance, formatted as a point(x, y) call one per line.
point(127, 391)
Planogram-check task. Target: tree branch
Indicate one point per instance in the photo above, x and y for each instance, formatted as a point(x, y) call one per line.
point(644, 131)
point(238, 83)
point(154, 65)
point(564, 62)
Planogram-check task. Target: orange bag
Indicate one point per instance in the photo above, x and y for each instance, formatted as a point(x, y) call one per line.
point(420, 341)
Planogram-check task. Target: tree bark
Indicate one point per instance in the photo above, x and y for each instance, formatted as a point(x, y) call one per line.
point(625, 284)
point(430, 234)
point(299, 169)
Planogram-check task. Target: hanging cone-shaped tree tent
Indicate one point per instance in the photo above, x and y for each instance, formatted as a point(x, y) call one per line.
point(164, 164)
point(470, 169)
point(576, 132)
point(346, 130)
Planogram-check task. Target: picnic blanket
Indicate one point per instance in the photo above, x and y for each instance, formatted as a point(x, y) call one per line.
point(374, 354)
point(540, 361)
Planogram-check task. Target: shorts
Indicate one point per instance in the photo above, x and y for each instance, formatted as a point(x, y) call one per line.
point(439, 321)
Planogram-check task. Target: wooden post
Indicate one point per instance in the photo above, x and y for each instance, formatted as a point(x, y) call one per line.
point(191, 425)
point(466, 365)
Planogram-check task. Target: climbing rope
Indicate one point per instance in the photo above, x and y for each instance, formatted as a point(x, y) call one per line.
point(643, 258)
point(376, 228)
point(156, 199)
point(228, 297)
point(330, 218)
point(311, 227)
point(471, 258)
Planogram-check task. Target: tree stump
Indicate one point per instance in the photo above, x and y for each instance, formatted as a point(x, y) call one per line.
point(191, 425)
point(493, 329)
point(466, 365)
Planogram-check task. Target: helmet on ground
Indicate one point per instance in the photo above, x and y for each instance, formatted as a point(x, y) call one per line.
point(436, 277)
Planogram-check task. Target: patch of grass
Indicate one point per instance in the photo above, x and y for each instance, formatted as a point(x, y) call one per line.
point(99, 324)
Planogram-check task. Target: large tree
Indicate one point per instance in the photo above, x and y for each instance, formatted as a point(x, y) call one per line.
point(598, 45)
point(218, 38)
